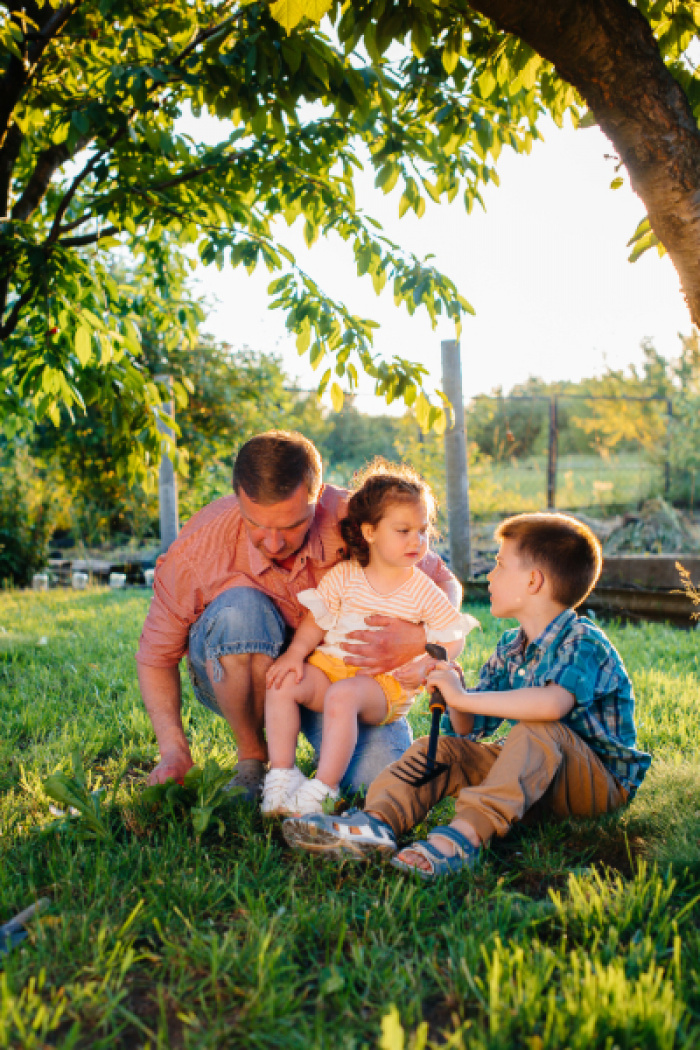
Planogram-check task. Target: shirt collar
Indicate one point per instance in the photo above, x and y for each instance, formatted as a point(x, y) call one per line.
point(519, 645)
point(312, 548)
point(558, 624)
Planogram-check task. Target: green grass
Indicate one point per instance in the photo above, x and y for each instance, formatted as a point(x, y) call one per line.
point(582, 481)
point(575, 935)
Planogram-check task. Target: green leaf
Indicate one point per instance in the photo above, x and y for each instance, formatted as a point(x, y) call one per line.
point(288, 13)
point(588, 120)
point(422, 411)
point(304, 337)
point(83, 345)
point(486, 82)
point(337, 397)
point(201, 815)
point(450, 58)
point(421, 39)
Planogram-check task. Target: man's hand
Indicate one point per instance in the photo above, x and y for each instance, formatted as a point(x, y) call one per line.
point(172, 764)
point(377, 652)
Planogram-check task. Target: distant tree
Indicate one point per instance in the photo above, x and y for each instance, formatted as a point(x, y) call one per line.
point(510, 425)
point(353, 438)
point(618, 417)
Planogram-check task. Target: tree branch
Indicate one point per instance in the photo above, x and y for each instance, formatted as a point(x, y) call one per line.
point(47, 163)
point(14, 315)
point(8, 158)
point(88, 238)
point(55, 230)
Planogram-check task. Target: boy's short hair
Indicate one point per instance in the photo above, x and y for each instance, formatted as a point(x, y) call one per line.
point(565, 549)
point(270, 467)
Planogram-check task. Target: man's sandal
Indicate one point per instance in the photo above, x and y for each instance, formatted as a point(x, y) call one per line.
point(355, 835)
point(249, 777)
point(466, 856)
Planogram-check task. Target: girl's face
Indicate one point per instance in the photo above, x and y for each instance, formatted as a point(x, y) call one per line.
point(401, 537)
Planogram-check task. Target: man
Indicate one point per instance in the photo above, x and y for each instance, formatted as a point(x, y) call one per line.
point(225, 595)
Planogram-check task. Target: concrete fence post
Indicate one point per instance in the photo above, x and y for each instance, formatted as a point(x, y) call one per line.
point(456, 469)
point(167, 482)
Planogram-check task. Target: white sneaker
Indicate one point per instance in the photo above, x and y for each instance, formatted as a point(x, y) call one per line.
point(311, 796)
point(279, 790)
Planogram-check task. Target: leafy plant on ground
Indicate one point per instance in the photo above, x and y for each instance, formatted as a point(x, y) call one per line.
point(84, 807)
point(203, 791)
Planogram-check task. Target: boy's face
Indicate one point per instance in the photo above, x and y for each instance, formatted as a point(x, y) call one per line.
point(510, 582)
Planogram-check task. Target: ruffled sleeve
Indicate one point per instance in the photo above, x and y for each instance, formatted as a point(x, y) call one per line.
point(312, 600)
point(460, 627)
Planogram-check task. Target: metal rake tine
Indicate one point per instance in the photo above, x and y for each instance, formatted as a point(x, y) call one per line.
point(416, 773)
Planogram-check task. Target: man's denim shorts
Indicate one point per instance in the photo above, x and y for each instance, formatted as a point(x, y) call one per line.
point(243, 620)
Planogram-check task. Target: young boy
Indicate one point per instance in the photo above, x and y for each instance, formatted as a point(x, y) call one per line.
point(556, 678)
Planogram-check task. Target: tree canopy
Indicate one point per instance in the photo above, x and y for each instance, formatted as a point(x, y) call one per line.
point(95, 166)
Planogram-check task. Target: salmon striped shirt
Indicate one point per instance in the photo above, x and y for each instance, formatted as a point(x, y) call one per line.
point(213, 553)
point(344, 597)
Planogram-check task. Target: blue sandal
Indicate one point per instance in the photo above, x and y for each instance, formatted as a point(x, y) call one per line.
point(466, 856)
point(356, 835)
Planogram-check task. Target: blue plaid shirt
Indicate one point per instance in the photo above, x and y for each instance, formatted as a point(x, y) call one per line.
point(575, 654)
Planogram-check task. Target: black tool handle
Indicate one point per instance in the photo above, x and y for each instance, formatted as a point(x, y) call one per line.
point(437, 704)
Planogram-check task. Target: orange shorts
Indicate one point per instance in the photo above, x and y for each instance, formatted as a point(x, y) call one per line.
point(398, 700)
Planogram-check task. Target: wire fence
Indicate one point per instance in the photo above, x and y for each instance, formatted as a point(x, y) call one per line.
point(572, 452)
point(597, 454)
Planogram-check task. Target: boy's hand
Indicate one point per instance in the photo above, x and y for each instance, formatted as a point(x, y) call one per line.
point(288, 663)
point(446, 679)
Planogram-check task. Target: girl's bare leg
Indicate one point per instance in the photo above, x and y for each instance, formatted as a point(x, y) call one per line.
point(347, 702)
point(282, 719)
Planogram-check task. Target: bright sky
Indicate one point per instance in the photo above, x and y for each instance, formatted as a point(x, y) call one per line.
point(545, 268)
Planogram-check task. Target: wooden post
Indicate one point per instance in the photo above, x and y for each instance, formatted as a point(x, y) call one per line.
point(456, 471)
point(167, 483)
point(552, 456)
point(667, 463)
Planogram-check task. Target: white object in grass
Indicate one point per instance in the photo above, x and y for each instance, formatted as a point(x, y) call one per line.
point(79, 581)
point(313, 797)
point(279, 790)
point(40, 581)
point(117, 580)
point(149, 574)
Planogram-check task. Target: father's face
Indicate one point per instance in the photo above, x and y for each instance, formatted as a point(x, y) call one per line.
point(278, 529)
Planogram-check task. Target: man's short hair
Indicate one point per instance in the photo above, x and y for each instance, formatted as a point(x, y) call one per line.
point(271, 467)
point(563, 548)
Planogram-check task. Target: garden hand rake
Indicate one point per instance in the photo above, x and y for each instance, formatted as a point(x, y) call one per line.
point(418, 771)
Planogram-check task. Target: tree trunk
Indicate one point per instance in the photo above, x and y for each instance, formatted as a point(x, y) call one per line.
point(606, 50)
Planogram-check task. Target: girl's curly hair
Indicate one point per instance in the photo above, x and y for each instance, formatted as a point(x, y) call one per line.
point(375, 488)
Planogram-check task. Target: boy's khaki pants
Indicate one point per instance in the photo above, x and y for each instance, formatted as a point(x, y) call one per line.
point(542, 767)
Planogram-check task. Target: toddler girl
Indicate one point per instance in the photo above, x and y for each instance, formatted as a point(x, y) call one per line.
point(386, 533)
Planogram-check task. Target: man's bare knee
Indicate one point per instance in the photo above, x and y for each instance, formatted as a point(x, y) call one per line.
point(238, 664)
point(260, 663)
